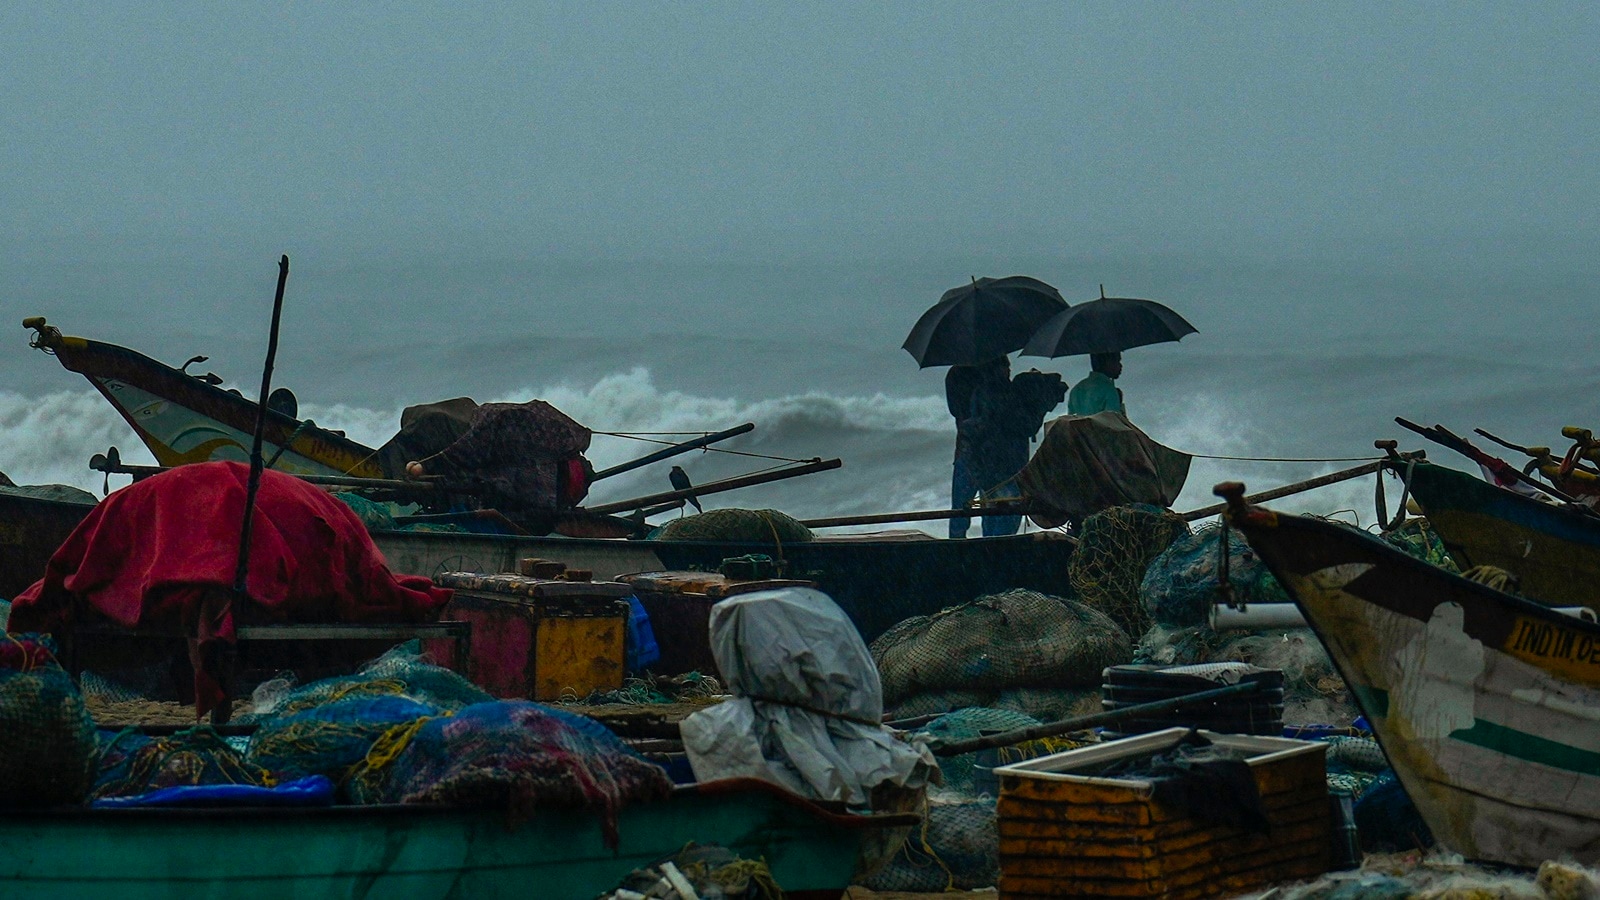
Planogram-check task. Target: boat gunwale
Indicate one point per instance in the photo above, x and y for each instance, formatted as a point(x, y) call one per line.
point(727, 787)
point(1406, 560)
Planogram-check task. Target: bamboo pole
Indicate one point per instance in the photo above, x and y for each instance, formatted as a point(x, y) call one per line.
point(717, 487)
point(674, 450)
point(1067, 726)
point(1018, 509)
point(1299, 486)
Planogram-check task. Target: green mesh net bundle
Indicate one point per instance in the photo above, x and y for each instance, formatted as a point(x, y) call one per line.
point(737, 526)
point(1417, 537)
point(47, 737)
point(1115, 547)
point(332, 739)
point(1018, 639)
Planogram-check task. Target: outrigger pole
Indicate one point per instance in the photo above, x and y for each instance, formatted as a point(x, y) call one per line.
point(674, 450)
point(256, 464)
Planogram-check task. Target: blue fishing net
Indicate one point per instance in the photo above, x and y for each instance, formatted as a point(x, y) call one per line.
point(131, 763)
point(47, 738)
point(518, 756)
point(402, 672)
point(330, 739)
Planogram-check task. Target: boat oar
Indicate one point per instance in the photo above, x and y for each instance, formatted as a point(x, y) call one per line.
point(716, 487)
point(1067, 726)
point(674, 450)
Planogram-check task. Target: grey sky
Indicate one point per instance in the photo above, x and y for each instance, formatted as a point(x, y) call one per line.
point(811, 130)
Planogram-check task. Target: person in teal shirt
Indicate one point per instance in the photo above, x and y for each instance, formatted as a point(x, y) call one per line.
point(1098, 392)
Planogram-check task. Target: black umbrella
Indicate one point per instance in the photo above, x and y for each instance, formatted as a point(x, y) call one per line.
point(977, 322)
point(1107, 325)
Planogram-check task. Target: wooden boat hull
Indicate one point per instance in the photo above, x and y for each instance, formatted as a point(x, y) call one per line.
point(1487, 704)
point(1553, 550)
point(413, 852)
point(185, 420)
point(30, 531)
point(877, 582)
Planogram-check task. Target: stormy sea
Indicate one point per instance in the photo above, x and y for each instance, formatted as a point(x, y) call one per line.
point(1308, 358)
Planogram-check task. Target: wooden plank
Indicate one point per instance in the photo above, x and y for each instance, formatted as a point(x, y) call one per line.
point(1029, 839)
point(1134, 880)
point(1144, 815)
point(1285, 775)
point(352, 632)
point(1155, 860)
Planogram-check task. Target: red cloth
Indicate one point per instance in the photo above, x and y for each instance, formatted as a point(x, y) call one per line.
point(149, 554)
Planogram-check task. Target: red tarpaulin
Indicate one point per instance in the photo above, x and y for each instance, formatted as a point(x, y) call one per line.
point(149, 554)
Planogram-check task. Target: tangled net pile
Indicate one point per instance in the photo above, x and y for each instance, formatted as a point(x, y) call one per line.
point(133, 764)
point(739, 526)
point(1115, 547)
point(1185, 581)
point(402, 672)
point(1002, 642)
point(956, 848)
point(518, 756)
point(47, 756)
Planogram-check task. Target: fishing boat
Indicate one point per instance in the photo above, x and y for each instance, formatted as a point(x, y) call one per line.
point(1484, 702)
point(415, 851)
point(31, 528)
point(878, 580)
point(1553, 549)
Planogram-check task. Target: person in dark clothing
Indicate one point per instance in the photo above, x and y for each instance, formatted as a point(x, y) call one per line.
point(962, 385)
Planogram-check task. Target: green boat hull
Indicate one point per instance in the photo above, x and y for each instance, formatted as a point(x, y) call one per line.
point(413, 852)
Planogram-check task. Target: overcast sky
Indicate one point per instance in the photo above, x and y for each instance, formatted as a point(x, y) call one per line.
point(813, 130)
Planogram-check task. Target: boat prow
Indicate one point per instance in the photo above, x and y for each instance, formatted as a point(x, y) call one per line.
point(1487, 704)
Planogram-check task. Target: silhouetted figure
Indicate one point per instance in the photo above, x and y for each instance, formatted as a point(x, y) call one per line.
point(1099, 392)
point(680, 482)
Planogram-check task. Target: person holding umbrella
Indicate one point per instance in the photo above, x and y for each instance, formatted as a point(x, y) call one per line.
point(1102, 329)
point(1099, 391)
point(971, 329)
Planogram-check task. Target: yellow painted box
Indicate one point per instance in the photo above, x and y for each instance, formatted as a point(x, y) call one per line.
point(540, 639)
point(1066, 833)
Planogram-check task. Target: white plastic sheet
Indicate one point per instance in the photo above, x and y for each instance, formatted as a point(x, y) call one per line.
point(806, 703)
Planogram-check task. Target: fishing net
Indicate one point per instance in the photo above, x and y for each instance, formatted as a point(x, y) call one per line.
point(930, 703)
point(1417, 537)
point(1313, 692)
point(47, 738)
point(1016, 639)
point(737, 526)
point(1050, 704)
point(133, 764)
point(957, 848)
point(1184, 582)
point(1115, 547)
point(713, 872)
point(402, 672)
point(332, 739)
point(964, 724)
point(519, 756)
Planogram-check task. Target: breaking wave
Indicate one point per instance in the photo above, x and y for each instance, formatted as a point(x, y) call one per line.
point(896, 450)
